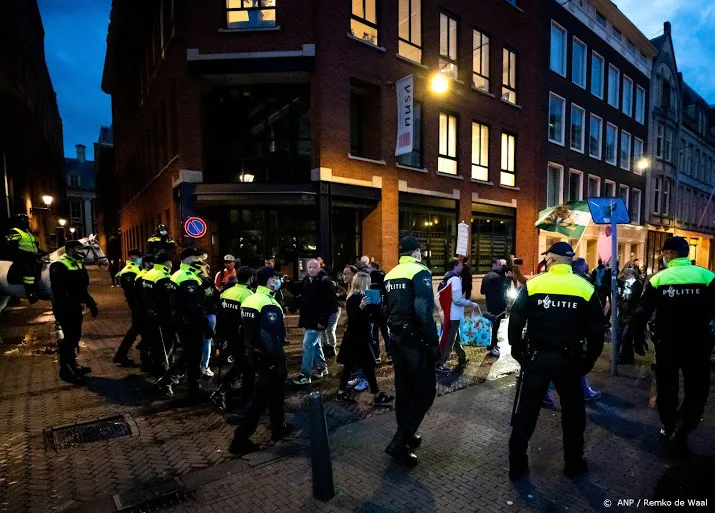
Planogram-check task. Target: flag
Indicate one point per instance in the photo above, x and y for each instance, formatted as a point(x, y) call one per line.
point(570, 219)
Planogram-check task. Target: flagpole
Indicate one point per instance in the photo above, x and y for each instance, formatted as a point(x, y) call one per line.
point(581, 237)
point(705, 210)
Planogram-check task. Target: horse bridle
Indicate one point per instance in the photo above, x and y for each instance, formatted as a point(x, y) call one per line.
point(97, 258)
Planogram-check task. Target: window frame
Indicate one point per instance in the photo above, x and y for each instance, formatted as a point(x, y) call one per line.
point(560, 181)
point(580, 184)
point(606, 184)
point(636, 158)
point(657, 194)
point(510, 136)
point(484, 165)
point(243, 8)
point(600, 137)
point(446, 156)
point(373, 25)
point(635, 190)
point(628, 113)
point(576, 41)
point(620, 148)
point(565, 52)
point(639, 113)
point(617, 83)
point(659, 139)
point(668, 144)
point(449, 61)
point(615, 149)
point(512, 66)
point(588, 186)
point(603, 74)
point(410, 42)
point(485, 77)
point(563, 120)
point(583, 128)
point(627, 201)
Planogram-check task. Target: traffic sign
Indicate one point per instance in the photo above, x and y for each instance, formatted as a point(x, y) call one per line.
point(195, 227)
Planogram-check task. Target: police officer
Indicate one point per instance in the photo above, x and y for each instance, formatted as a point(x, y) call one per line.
point(409, 307)
point(161, 240)
point(229, 327)
point(265, 335)
point(561, 310)
point(683, 298)
point(127, 279)
point(69, 281)
point(143, 346)
point(25, 252)
point(189, 284)
point(158, 321)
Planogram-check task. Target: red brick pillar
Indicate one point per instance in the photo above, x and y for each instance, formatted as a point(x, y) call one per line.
point(380, 228)
point(465, 214)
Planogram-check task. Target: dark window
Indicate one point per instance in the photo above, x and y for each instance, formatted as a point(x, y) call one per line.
point(365, 133)
point(414, 158)
point(174, 121)
point(164, 136)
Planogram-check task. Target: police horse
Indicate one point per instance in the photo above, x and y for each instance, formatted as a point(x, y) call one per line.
point(11, 276)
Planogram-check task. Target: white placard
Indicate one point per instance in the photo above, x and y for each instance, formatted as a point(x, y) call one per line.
point(462, 239)
point(405, 116)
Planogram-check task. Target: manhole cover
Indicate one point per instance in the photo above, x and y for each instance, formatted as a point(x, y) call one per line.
point(108, 428)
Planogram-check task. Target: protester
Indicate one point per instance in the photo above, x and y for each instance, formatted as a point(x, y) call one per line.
point(377, 278)
point(328, 337)
point(494, 287)
point(356, 349)
point(466, 276)
point(221, 278)
point(630, 290)
point(318, 301)
point(452, 303)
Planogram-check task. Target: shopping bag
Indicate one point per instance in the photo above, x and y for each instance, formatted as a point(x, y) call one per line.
point(476, 331)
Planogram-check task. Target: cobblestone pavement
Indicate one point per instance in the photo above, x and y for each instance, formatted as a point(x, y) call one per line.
point(171, 437)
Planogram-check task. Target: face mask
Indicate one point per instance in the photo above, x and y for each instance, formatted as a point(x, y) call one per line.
point(276, 286)
point(418, 257)
point(138, 261)
point(163, 233)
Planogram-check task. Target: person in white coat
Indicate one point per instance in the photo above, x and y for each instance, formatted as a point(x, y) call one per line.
point(452, 303)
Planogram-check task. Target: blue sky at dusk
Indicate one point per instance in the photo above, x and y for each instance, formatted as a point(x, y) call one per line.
point(76, 31)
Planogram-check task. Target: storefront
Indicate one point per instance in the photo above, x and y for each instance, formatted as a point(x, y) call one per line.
point(493, 235)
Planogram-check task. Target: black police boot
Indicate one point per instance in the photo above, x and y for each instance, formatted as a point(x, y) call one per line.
point(80, 369)
point(68, 374)
point(399, 450)
point(218, 398)
point(575, 467)
point(666, 432)
point(679, 440)
point(415, 442)
point(518, 466)
point(282, 431)
point(241, 447)
point(31, 293)
point(165, 386)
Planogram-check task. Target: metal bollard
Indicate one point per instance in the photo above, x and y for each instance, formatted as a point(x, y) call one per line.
point(323, 486)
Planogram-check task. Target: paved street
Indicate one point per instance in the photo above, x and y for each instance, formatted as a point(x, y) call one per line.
point(177, 447)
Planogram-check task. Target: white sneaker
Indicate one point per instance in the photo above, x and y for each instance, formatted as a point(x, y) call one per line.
point(353, 382)
point(494, 352)
point(362, 385)
point(208, 372)
point(302, 380)
point(321, 373)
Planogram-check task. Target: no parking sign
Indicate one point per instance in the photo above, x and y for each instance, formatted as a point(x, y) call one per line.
point(195, 227)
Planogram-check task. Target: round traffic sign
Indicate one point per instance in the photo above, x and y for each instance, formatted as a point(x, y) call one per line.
point(195, 227)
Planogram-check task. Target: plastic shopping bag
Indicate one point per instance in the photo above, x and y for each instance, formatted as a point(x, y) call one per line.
point(476, 331)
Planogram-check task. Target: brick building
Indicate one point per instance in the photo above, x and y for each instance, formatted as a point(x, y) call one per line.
point(596, 116)
point(81, 193)
point(277, 125)
point(31, 155)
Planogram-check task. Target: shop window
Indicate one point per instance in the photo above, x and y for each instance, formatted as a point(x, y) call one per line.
point(493, 235)
point(435, 228)
point(251, 14)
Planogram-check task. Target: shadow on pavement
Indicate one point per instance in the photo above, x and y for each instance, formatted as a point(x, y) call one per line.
point(127, 391)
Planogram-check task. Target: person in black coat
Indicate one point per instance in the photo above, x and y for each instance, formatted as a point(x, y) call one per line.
point(356, 349)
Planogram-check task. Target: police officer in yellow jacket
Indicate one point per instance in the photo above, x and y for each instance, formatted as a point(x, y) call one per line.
point(158, 318)
point(265, 335)
point(560, 310)
point(190, 321)
point(70, 281)
point(683, 298)
point(127, 279)
point(409, 309)
point(25, 252)
point(161, 241)
point(229, 326)
point(143, 346)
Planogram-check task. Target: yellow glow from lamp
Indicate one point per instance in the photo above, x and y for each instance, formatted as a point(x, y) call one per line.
point(643, 164)
point(47, 199)
point(63, 222)
point(439, 83)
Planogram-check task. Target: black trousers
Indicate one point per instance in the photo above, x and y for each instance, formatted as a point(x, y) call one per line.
point(240, 367)
point(495, 330)
point(380, 326)
point(415, 386)
point(69, 318)
point(189, 362)
point(268, 392)
point(694, 362)
point(132, 333)
point(157, 343)
point(565, 374)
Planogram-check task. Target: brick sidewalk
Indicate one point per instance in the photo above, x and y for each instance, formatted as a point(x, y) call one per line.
point(172, 438)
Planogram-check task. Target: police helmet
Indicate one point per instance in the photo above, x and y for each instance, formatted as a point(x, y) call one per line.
point(162, 228)
point(21, 221)
point(75, 250)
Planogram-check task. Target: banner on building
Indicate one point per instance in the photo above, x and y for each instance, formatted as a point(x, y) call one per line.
point(570, 219)
point(462, 239)
point(405, 115)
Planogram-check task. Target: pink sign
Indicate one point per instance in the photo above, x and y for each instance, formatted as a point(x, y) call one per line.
point(604, 245)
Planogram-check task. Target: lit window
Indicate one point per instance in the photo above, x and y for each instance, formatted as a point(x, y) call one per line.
point(363, 22)
point(251, 14)
point(614, 77)
point(627, 106)
point(508, 159)
point(611, 144)
point(594, 186)
point(578, 63)
point(557, 113)
point(575, 185)
point(480, 61)
point(595, 137)
point(625, 150)
point(410, 30)
point(558, 48)
point(448, 45)
point(640, 104)
point(554, 185)
point(578, 122)
point(508, 89)
point(480, 152)
point(597, 67)
point(447, 160)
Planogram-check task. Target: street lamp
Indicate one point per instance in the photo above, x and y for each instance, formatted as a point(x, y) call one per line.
point(63, 222)
point(47, 200)
point(439, 83)
point(73, 229)
point(643, 164)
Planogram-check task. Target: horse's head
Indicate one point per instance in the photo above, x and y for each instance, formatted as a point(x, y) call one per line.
point(95, 255)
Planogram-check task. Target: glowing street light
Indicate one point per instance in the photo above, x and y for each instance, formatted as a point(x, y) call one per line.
point(643, 164)
point(72, 230)
point(439, 83)
point(47, 200)
point(63, 222)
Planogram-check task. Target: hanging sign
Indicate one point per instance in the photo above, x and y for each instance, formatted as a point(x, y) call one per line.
point(405, 115)
point(463, 239)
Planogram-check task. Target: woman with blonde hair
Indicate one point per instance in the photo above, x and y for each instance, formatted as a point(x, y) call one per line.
point(356, 349)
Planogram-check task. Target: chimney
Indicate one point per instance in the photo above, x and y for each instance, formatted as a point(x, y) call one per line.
point(81, 154)
point(666, 28)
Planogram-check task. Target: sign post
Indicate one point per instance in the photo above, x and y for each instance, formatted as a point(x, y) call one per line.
point(611, 211)
point(195, 227)
point(405, 115)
